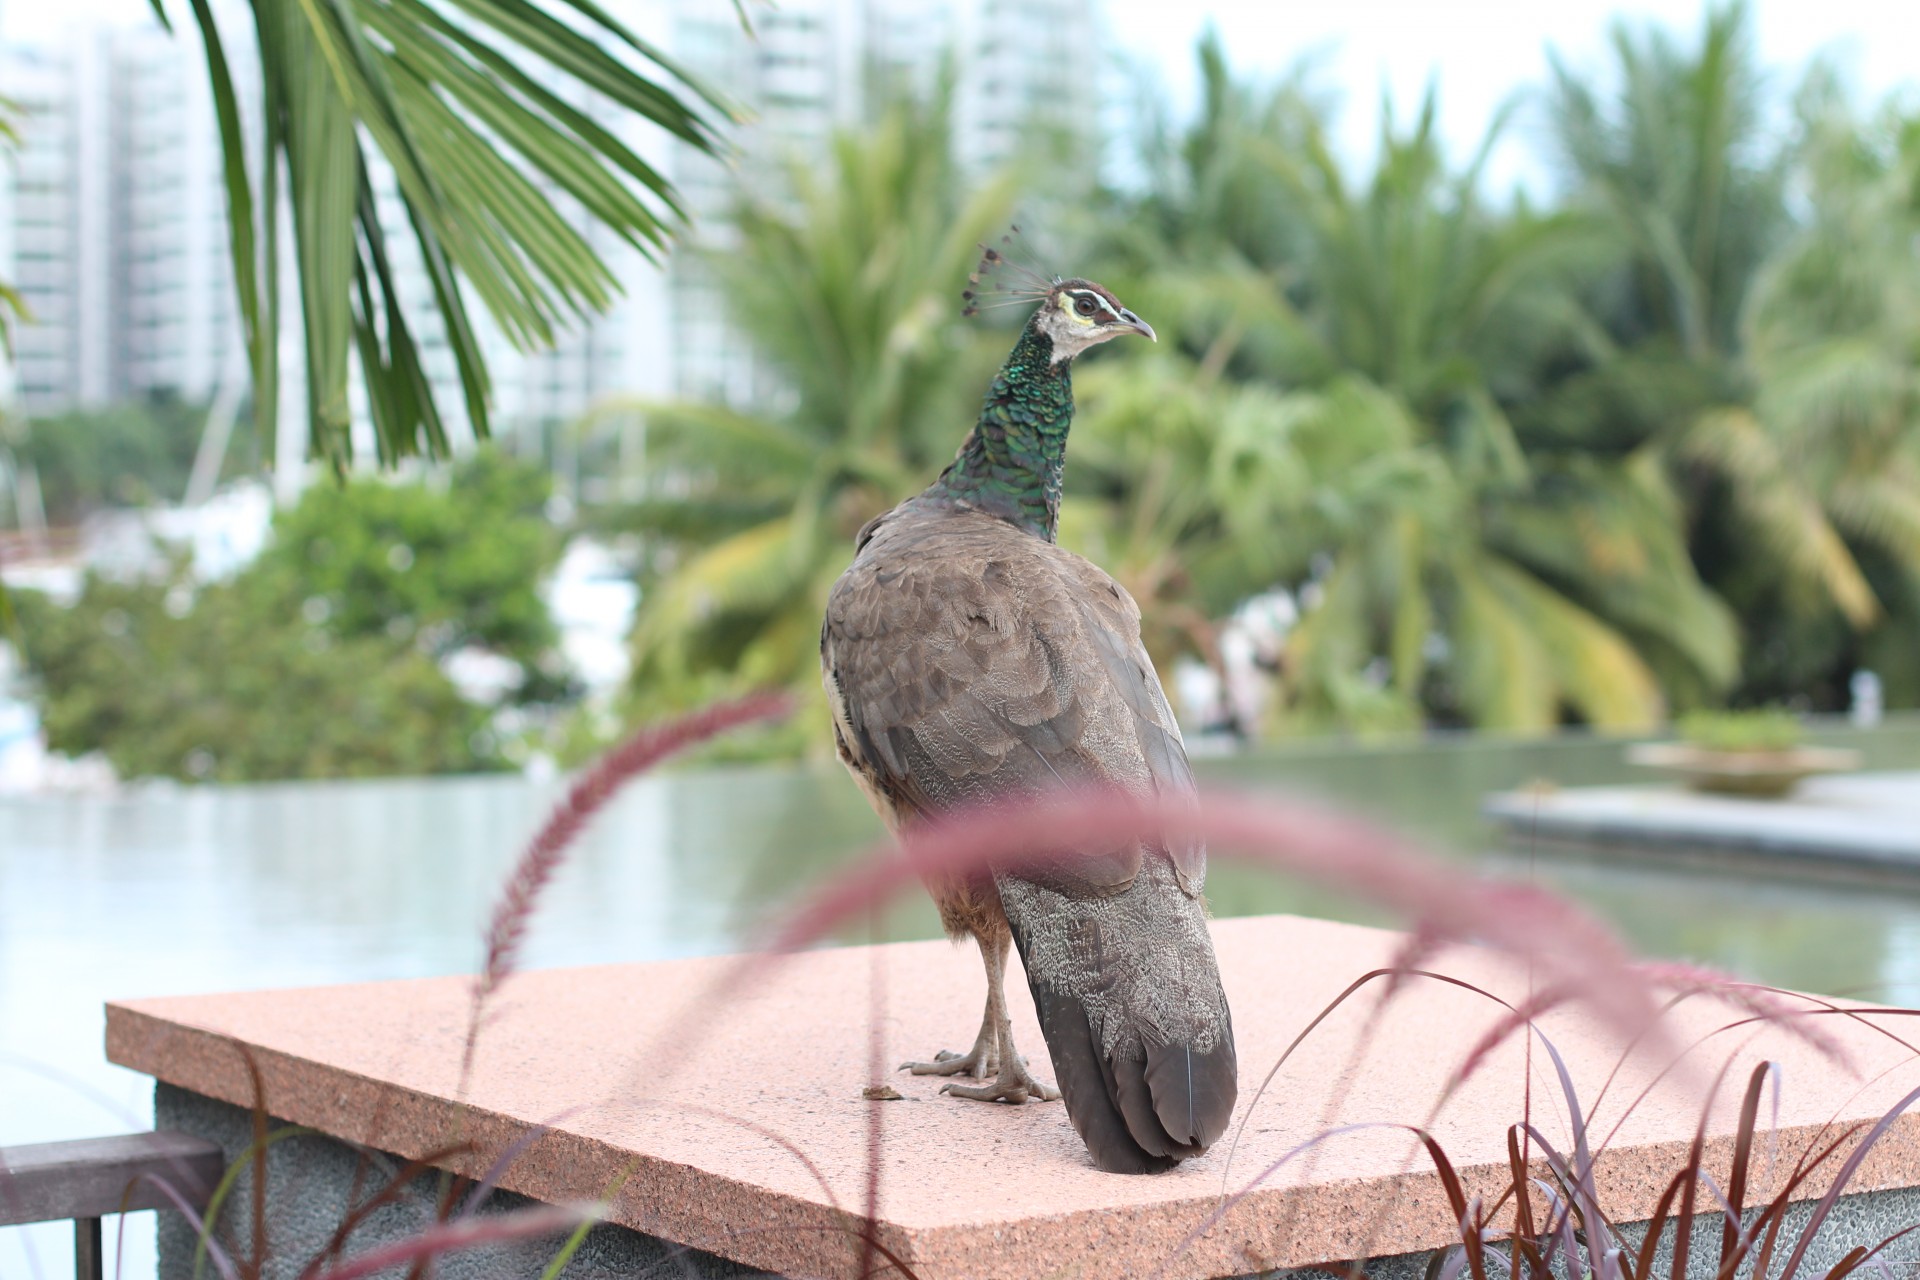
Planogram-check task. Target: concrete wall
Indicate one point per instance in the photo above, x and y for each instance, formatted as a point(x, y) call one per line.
point(311, 1181)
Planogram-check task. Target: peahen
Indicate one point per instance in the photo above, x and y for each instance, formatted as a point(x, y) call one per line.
point(967, 657)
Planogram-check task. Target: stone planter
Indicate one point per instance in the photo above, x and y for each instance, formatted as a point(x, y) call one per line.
point(1757, 774)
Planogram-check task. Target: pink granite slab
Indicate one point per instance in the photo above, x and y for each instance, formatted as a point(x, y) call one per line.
point(705, 1136)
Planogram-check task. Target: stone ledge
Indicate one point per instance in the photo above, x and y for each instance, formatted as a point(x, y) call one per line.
point(1861, 826)
point(967, 1189)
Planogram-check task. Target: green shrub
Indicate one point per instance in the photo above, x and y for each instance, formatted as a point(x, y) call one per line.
point(1764, 730)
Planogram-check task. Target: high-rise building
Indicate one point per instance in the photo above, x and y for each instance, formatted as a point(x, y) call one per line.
point(57, 243)
point(174, 323)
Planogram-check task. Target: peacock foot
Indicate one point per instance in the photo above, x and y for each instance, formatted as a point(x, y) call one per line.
point(980, 1062)
point(1014, 1084)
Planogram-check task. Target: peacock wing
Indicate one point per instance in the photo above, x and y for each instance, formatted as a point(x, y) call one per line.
point(961, 672)
point(1112, 624)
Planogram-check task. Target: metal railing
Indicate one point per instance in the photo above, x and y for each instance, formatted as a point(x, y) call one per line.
point(93, 1177)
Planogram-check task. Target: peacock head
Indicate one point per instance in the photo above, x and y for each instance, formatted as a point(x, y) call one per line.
point(1077, 314)
point(1073, 314)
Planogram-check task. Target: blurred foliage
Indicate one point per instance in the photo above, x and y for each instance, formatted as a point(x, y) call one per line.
point(1756, 729)
point(322, 658)
point(126, 455)
point(1410, 316)
point(1650, 448)
point(204, 686)
point(446, 563)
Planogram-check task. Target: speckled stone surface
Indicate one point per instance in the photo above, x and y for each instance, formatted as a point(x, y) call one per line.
point(740, 1127)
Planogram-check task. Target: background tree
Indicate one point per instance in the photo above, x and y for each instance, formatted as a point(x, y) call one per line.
point(322, 658)
point(125, 455)
point(167, 682)
point(1827, 454)
point(446, 563)
point(1397, 319)
point(1692, 357)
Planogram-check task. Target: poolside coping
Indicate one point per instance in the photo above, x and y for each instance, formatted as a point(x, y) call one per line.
point(1852, 826)
point(739, 1127)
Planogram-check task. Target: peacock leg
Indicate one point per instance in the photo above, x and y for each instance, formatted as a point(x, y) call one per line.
point(1012, 1082)
point(983, 1059)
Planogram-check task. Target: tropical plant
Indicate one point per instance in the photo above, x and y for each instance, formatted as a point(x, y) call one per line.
point(324, 656)
point(471, 109)
point(446, 563)
point(846, 283)
point(1825, 461)
point(1721, 328)
point(1758, 729)
point(123, 455)
point(1449, 573)
point(1676, 165)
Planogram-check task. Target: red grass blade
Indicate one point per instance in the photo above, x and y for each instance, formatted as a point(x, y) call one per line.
point(589, 794)
point(1840, 1181)
point(451, 1237)
point(1285, 835)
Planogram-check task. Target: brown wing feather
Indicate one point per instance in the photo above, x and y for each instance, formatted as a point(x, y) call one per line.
point(968, 661)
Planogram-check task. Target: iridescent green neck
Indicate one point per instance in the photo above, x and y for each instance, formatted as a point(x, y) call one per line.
point(1011, 462)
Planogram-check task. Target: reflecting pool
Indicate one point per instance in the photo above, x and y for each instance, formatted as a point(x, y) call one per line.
point(175, 890)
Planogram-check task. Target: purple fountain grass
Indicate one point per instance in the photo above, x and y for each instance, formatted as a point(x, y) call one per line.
point(589, 794)
point(1442, 902)
point(466, 1233)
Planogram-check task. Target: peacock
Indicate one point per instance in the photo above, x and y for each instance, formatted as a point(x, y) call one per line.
point(967, 657)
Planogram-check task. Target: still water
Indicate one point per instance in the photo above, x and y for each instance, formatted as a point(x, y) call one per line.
point(204, 889)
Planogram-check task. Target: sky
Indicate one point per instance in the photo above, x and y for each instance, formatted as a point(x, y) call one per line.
point(1479, 52)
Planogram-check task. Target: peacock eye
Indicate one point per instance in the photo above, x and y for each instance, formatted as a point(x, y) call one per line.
point(1084, 305)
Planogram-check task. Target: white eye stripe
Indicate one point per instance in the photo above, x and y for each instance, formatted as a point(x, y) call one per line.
point(1101, 302)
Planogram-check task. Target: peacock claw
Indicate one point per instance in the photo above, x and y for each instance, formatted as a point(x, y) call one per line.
point(1014, 1086)
point(980, 1062)
point(947, 1063)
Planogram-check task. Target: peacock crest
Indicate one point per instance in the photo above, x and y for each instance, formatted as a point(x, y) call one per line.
point(1002, 279)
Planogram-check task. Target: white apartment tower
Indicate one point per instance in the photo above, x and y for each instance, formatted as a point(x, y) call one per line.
point(113, 223)
point(52, 198)
point(174, 322)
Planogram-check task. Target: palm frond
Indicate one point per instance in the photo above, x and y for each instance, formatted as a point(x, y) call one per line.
point(1788, 520)
point(464, 106)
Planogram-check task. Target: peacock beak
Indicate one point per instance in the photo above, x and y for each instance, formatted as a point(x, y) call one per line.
point(1140, 326)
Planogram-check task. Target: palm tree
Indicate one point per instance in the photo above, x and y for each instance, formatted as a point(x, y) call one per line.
point(1825, 458)
point(1677, 168)
point(1736, 349)
point(846, 285)
point(473, 107)
point(1448, 571)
